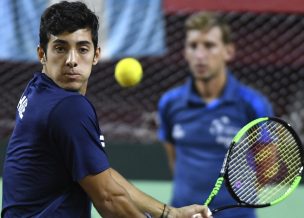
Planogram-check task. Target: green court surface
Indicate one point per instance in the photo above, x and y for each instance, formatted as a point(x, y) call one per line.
point(292, 207)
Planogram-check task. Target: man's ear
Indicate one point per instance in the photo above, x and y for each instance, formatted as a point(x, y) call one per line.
point(41, 55)
point(230, 52)
point(96, 56)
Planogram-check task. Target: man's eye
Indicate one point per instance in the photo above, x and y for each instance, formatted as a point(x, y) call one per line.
point(59, 49)
point(83, 50)
point(193, 45)
point(209, 45)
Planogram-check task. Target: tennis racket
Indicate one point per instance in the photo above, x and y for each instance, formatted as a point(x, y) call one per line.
point(263, 165)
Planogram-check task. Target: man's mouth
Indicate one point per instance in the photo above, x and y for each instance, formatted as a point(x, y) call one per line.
point(72, 74)
point(201, 67)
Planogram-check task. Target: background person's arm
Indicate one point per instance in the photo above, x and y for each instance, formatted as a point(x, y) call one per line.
point(170, 151)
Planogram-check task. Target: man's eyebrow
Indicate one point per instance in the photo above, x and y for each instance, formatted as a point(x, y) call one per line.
point(60, 41)
point(84, 43)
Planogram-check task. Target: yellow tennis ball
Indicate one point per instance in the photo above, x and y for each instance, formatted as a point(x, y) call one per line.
point(128, 72)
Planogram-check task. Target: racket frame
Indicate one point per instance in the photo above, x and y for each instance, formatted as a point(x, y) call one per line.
point(223, 176)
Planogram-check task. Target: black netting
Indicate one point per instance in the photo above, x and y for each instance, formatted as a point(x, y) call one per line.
point(269, 57)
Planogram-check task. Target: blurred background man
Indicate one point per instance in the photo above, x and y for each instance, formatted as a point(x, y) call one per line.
point(199, 119)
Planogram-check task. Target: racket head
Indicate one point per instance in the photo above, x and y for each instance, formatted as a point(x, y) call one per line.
point(264, 163)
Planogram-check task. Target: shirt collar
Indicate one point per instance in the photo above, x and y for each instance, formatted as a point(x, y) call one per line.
point(42, 77)
point(44, 80)
point(229, 92)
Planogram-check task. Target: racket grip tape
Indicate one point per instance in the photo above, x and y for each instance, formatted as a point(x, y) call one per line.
point(215, 190)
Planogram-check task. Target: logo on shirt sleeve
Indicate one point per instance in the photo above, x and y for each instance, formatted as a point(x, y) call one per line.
point(102, 142)
point(178, 132)
point(22, 106)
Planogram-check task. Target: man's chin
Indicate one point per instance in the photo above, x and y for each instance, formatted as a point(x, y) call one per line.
point(204, 77)
point(74, 87)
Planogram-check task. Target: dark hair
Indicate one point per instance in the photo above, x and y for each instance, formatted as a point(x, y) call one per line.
point(206, 21)
point(67, 17)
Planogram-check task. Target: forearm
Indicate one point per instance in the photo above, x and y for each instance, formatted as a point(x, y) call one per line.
point(144, 202)
point(114, 196)
point(117, 205)
point(171, 163)
point(109, 197)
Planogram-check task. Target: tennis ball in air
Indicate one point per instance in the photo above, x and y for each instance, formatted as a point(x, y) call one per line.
point(128, 72)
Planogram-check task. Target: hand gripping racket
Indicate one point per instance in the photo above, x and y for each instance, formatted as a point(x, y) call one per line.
point(263, 165)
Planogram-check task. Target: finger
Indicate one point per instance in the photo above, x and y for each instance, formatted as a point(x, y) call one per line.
point(198, 215)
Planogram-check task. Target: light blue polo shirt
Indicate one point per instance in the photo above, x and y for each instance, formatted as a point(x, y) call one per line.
point(201, 134)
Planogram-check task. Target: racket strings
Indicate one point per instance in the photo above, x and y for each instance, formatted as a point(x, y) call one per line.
point(265, 195)
point(244, 176)
point(243, 149)
point(272, 173)
point(245, 194)
point(259, 198)
point(273, 192)
point(250, 137)
point(236, 164)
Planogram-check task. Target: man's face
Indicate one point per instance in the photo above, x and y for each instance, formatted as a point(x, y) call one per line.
point(69, 59)
point(206, 53)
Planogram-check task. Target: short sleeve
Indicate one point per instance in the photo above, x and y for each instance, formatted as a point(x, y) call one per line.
point(164, 127)
point(262, 106)
point(75, 134)
point(259, 105)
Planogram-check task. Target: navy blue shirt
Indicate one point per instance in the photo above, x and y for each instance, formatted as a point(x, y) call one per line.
point(201, 134)
point(55, 143)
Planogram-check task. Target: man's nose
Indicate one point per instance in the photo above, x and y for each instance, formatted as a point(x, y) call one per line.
point(72, 59)
point(201, 53)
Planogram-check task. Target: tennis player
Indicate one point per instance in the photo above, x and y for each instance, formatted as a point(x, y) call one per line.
point(199, 119)
point(55, 163)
